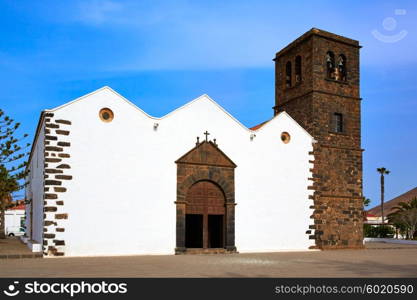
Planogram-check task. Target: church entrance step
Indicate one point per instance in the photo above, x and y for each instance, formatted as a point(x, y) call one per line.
point(207, 251)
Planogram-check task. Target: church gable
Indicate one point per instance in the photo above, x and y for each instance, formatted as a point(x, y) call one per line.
point(104, 96)
point(206, 153)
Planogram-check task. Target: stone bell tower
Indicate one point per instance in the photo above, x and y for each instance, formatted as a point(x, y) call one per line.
point(317, 83)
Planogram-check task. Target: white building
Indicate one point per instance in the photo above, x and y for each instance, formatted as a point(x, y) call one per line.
point(108, 179)
point(14, 220)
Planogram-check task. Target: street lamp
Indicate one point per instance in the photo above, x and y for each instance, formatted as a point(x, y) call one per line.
point(382, 171)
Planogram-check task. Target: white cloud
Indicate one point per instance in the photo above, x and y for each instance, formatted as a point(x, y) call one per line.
point(98, 11)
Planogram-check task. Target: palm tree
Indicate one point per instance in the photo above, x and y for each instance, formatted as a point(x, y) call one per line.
point(383, 172)
point(405, 215)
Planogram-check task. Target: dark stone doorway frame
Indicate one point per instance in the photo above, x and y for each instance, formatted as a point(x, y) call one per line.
point(206, 162)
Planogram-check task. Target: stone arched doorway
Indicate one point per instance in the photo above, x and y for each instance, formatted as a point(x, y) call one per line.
point(205, 206)
point(205, 216)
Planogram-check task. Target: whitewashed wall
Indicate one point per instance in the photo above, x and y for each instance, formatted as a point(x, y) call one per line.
point(35, 189)
point(121, 198)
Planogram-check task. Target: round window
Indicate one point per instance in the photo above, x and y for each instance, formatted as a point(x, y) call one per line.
point(285, 137)
point(106, 115)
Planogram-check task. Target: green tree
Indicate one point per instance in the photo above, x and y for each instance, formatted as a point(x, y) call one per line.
point(378, 231)
point(12, 164)
point(404, 216)
point(366, 202)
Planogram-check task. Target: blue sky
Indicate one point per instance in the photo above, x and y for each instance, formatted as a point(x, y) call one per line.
point(162, 54)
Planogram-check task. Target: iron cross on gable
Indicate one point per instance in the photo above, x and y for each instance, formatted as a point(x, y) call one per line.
point(206, 134)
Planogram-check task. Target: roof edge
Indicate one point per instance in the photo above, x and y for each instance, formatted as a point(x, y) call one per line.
point(318, 32)
point(35, 138)
point(283, 113)
point(203, 96)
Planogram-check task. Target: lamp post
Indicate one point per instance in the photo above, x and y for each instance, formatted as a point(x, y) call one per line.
point(382, 171)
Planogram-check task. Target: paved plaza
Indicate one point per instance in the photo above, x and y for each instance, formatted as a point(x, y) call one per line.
point(13, 248)
point(377, 260)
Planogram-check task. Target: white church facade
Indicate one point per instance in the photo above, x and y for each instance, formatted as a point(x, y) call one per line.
point(108, 179)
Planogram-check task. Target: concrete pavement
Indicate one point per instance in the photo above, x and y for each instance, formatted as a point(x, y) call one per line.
point(377, 260)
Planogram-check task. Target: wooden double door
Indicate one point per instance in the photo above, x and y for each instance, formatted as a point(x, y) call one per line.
point(205, 216)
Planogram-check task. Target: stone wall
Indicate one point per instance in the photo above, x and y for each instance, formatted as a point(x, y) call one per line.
point(56, 173)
